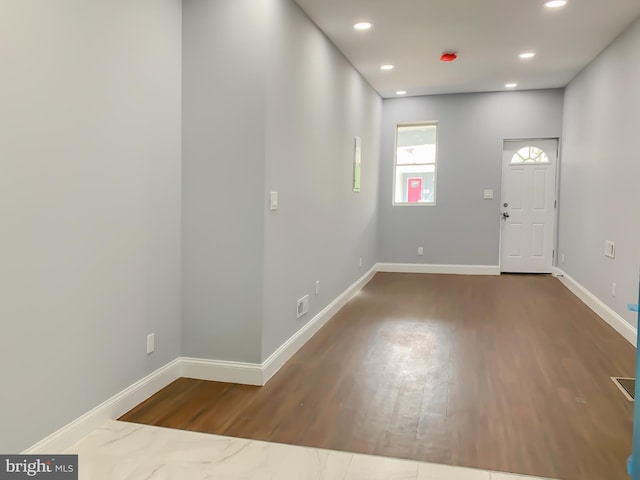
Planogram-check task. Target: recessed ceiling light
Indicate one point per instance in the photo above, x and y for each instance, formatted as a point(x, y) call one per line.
point(555, 3)
point(511, 85)
point(401, 92)
point(362, 26)
point(387, 67)
point(527, 55)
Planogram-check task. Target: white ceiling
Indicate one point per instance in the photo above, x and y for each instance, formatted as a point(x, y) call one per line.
point(488, 35)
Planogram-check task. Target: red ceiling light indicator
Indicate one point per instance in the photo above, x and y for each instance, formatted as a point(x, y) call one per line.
point(448, 57)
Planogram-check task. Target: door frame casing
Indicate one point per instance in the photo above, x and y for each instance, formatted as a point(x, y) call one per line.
point(555, 255)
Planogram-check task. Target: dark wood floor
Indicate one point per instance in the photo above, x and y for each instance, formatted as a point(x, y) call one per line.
point(506, 373)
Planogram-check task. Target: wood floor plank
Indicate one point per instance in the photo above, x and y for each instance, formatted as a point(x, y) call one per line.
point(507, 373)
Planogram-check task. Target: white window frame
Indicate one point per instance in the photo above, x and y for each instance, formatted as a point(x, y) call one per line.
point(428, 123)
point(524, 162)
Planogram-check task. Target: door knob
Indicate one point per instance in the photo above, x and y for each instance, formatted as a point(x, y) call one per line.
point(505, 215)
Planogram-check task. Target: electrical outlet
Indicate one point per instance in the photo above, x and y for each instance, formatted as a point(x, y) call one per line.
point(317, 287)
point(151, 343)
point(420, 250)
point(613, 289)
point(302, 306)
point(360, 262)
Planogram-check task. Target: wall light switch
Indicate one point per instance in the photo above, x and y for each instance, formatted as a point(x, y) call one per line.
point(273, 201)
point(488, 194)
point(609, 249)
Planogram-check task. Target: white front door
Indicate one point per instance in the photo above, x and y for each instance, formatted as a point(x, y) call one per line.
point(528, 206)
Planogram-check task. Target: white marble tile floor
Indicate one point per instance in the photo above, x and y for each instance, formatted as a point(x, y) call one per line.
point(128, 451)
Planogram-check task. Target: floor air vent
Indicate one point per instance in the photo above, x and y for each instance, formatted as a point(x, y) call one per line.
point(627, 386)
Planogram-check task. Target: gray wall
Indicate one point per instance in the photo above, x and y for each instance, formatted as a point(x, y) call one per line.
point(89, 202)
point(462, 229)
point(599, 197)
point(224, 111)
point(90, 190)
point(316, 104)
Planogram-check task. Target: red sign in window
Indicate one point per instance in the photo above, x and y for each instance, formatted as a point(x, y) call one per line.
point(414, 190)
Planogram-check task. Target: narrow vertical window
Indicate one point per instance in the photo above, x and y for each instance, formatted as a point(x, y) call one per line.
point(415, 162)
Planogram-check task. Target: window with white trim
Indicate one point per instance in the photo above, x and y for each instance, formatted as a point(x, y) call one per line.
point(530, 156)
point(414, 164)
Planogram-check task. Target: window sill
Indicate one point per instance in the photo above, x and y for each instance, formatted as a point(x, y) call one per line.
point(407, 204)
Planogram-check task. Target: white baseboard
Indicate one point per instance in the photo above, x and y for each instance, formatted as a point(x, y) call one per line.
point(261, 373)
point(441, 269)
point(603, 310)
point(221, 371)
point(278, 358)
point(201, 369)
point(116, 406)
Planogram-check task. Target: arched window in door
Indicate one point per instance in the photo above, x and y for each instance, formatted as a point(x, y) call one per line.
point(529, 155)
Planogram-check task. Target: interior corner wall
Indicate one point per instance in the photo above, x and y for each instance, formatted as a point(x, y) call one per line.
point(599, 194)
point(90, 205)
point(223, 111)
point(316, 104)
point(462, 228)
